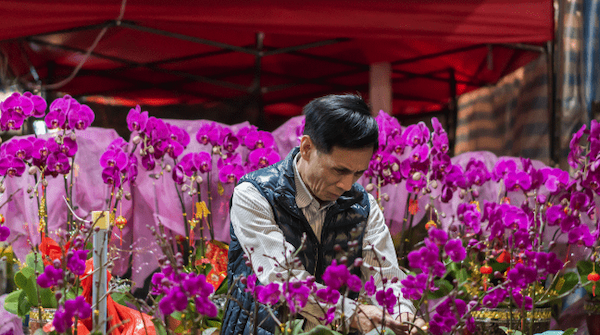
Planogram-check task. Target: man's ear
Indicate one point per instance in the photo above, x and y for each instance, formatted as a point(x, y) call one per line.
point(306, 147)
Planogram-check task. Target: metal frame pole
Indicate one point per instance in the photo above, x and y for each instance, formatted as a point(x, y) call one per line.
point(99, 283)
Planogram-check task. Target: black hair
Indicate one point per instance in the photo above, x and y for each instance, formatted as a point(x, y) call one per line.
point(340, 120)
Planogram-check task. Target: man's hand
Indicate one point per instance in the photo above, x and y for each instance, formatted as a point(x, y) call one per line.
point(368, 317)
point(409, 317)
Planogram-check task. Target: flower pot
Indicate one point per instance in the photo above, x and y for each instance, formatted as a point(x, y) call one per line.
point(592, 309)
point(489, 321)
point(35, 322)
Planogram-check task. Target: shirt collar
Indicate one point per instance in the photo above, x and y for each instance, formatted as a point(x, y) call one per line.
point(303, 196)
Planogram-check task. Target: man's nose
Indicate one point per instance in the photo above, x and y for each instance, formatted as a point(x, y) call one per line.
point(346, 182)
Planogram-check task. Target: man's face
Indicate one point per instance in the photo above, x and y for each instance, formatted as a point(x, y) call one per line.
point(327, 176)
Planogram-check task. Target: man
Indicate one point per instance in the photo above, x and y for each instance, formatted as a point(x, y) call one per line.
point(313, 193)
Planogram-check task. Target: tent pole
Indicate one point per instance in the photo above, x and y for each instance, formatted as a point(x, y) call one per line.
point(256, 89)
point(453, 109)
point(554, 139)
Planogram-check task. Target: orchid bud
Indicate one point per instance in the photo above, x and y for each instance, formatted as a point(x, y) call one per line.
point(56, 263)
point(199, 179)
point(58, 295)
point(260, 269)
point(395, 167)
point(248, 264)
point(386, 197)
point(119, 196)
point(416, 176)
point(185, 188)
point(384, 280)
point(343, 260)
point(72, 136)
point(128, 196)
point(370, 187)
point(243, 280)
point(136, 140)
point(394, 280)
point(278, 275)
point(3, 188)
point(150, 149)
point(434, 184)
point(337, 248)
point(29, 189)
point(168, 168)
point(33, 170)
point(475, 193)
point(45, 182)
point(358, 262)
point(142, 152)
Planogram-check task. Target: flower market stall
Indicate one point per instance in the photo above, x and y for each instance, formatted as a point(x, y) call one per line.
point(492, 251)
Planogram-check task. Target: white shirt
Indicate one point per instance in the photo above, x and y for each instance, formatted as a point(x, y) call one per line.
point(261, 238)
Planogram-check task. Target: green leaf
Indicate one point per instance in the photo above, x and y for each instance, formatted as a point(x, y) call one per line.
point(31, 291)
point(180, 329)
point(24, 305)
point(497, 266)
point(23, 276)
point(223, 288)
point(585, 268)
point(213, 324)
point(11, 303)
point(571, 279)
point(322, 330)
point(570, 331)
point(48, 298)
point(294, 325)
point(31, 263)
point(444, 288)
point(159, 327)
point(462, 275)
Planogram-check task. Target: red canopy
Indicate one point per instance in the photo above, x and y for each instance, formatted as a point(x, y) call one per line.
point(186, 51)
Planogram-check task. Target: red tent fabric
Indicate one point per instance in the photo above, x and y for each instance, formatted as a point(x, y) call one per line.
point(155, 55)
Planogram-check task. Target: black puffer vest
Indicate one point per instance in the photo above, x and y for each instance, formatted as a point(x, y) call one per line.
point(345, 221)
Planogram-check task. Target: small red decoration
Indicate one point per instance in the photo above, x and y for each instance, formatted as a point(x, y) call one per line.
point(430, 224)
point(413, 206)
point(594, 277)
point(486, 269)
point(121, 221)
point(2, 219)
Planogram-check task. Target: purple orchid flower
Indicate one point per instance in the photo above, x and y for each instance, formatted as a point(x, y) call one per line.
point(20, 148)
point(231, 173)
point(80, 118)
point(114, 158)
point(68, 147)
point(416, 134)
point(11, 166)
point(414, 286)
point(259, 139)
point(169, 146)
point(39, 149)
point(455, 250)
point(148, 162)
point(581, 235)
point(203, 161)
point(157, 129)
point(335, 276)
point(386, 299)
point(493, 298)
point(555, 179)
point(11, 120)
point(575, 149)
point(17, 103)
point(4, 233)
point(476, 172)
point(111, 175)
point(117, 144)
point(261, 158)
point(202, 134)
point(502, 167)
point(245, 130)
point(59, 110)
point(136, 119)
point(517, 180)
point(58, 163)
point(39, 104)
point(230, 142)
point(132, 169)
